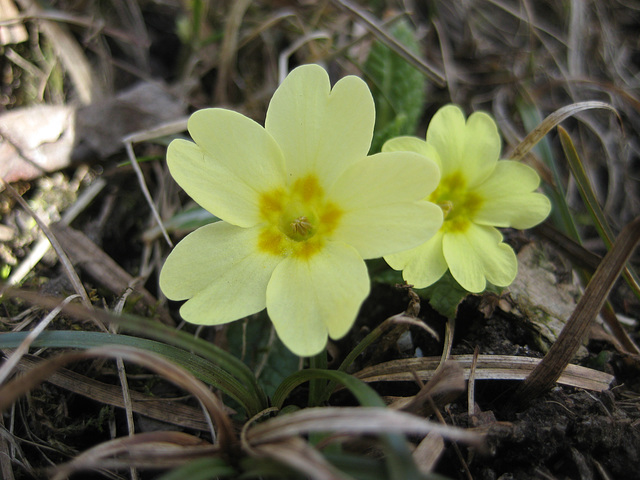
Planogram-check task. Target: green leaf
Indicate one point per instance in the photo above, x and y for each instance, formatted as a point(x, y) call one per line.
point(365, 395)
point(444, 296)
point(398, 88)
point(256, 343)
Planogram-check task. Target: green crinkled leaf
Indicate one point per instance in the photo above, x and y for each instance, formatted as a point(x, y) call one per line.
point(274, 360)
point(445, 295)
point(398, 88)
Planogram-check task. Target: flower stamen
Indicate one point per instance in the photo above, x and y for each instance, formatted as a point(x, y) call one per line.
point(301, 226)
point(446, 206)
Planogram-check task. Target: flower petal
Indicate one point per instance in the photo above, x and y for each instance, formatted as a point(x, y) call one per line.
point(219, 270)
point(234, 161)
point(406, 144)
point(412, 144)
point(378, 197)
point(421, 266)
point(308, 299)
point(318, 129)
point(509, 199)
point(384, 230)
point(472, 147)
point(477, 255)
point(385, 178)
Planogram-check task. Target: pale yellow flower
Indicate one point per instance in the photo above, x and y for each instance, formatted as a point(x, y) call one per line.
point(301, 205)
point(477, 192)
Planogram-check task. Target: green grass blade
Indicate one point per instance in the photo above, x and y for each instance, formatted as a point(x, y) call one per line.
point(205, 370)
point(399, 460)
point(156, 331)
point(560, 213)
point(365, 395)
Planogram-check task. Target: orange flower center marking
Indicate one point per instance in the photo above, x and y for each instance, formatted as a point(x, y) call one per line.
point(298, 220)
point(458, 204)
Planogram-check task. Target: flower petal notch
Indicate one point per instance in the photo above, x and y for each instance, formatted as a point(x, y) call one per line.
point(301, 205)
point(477, 193)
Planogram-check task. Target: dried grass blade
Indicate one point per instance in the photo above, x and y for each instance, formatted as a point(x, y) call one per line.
point(553, 120)
point(355, 421)
point(563, 350)
point(43, 245)
point(71, 54)
point(447, 383)
point(253, 396)
point(150, 450)
point(6, 453)
point(205, 369)
point(299, 455)
point(64, 259)
point(160, 409)
point(553, 187)
point(229, 50)
point(14, 359)
point(428, 452)
point(145, 191)
point(102, 268)
point(489, 367)
point(10, 392)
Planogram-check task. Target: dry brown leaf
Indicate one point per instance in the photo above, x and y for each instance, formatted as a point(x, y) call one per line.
point(445, 385)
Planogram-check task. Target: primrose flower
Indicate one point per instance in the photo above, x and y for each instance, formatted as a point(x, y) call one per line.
point(477, 192)
point(302, 206)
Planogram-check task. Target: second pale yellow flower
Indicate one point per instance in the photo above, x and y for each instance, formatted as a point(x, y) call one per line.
point(477, 192)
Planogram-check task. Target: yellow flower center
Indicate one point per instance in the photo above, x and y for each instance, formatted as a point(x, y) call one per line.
point(297, 221)
point(457, 202)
